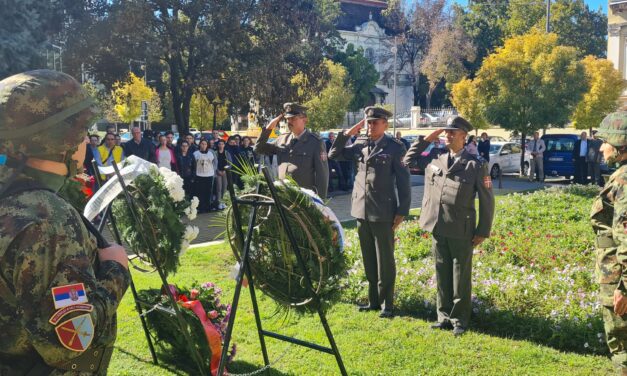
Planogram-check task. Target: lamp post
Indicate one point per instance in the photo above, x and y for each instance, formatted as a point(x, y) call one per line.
point(395, 50)
point(548, 16)
point(216, 102)
point(143, 66)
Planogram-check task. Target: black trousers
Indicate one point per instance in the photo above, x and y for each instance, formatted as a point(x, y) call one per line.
point(581, 170)
point(204, 192)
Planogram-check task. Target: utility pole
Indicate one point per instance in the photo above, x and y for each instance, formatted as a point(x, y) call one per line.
point(394, 116)
point(548, 16)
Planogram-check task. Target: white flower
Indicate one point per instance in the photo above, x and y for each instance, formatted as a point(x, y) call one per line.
point(235, 270)
point(184, 246)
point(192, 211)
point(174, 184)
point(191, 232)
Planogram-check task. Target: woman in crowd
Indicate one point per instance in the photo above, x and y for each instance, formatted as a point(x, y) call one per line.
point(164, 155)
point(187, 168)
point(205, 173)
point(471, 146)
point(237, 158)
point(224, 159)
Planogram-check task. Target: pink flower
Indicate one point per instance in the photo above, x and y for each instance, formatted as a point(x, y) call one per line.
point(213, 314)
point(193, 294)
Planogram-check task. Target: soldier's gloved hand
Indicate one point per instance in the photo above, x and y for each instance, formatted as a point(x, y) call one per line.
point(397, 221)
point(274, 122)
point(476, 240)
point(434, 135)
point(356, 128)
point(620, 303)
point(113, 253)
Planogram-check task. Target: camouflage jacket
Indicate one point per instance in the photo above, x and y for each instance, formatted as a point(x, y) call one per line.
point(44, 245)
point(609, 221)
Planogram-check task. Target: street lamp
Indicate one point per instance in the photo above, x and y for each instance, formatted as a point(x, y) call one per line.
point(215, 102)
point(395, 50)
point(143, 66)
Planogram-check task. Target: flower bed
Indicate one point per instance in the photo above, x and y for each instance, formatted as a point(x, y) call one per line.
point(533, 279)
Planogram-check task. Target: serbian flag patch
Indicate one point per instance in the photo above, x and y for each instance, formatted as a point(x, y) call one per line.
point(487, 182)
point(67, 295)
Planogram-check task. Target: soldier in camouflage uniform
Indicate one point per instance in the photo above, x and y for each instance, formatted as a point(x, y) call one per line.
point(58, 290)
point(609, 221)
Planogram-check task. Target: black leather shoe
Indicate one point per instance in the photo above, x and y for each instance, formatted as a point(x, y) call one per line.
point(458, 331)
point(386, 314)
point(444, 325)
point(366, 308)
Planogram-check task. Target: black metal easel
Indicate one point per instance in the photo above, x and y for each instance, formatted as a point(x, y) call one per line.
point(197, 358)
point(257, 202)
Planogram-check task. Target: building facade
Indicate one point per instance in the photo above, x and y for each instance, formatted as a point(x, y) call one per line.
point(361, 24)
point(617, 38)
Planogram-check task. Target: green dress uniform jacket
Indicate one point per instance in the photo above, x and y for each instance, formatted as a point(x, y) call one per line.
point(44, 244)
point(380, 173)
point(448, 205)
point(304, 159)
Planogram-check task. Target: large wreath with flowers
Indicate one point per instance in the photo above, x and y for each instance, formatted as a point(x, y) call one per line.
point(273, 263)
point(162, 215)
point(206, 316)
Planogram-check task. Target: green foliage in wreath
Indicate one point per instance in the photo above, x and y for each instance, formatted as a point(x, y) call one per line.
point(274, 264)
point(159, 225)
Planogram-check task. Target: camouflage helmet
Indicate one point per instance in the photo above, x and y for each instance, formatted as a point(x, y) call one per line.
point(43, 114)
point(613, 129)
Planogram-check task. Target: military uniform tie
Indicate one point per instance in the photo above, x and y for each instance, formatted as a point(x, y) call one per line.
point(450, 160)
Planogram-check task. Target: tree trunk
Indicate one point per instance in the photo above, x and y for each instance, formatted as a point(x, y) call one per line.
point(522, 155)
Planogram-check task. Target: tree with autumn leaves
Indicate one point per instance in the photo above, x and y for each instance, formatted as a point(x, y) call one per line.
point(128, 95)
point(532, 83)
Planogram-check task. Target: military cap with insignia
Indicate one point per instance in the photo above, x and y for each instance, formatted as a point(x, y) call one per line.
point(294, 109)
point(458, 123)
point(374, 113)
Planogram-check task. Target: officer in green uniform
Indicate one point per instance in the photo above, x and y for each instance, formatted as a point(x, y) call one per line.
point(301, 154)
point(609, 221)
point(380, 176)
point(58, 291)
point(452, 181)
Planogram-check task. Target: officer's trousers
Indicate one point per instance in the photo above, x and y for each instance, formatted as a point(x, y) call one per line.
point(377, 248)
point(539, 164)
point(453, 271)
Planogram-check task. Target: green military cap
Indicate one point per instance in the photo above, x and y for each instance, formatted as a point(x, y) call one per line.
point(613, 129)
point(458, 123)
point(374, 113)
point(294, 109)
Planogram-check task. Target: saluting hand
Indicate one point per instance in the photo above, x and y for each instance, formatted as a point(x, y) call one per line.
point(397, 221)
point(356, 128)
point(620, 303)
point(274, 122)
point(434, 135)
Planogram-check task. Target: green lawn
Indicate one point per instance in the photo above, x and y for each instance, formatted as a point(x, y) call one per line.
point(404, 345)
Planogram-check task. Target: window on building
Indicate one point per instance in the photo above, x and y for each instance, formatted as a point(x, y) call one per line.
point(370, 55)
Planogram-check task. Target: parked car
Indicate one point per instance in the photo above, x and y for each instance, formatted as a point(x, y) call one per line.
point(415, 170)
point(209, 135)
point(505, 158)
point(497, 139)
point(558, 157)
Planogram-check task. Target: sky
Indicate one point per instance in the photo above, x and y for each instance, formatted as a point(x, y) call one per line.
point(594, 4)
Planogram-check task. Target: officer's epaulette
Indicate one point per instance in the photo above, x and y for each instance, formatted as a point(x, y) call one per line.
point(397, 141)
point(362, 138)
point(315, 135)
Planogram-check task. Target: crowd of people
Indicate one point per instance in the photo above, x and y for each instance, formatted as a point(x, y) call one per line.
point(201, 165)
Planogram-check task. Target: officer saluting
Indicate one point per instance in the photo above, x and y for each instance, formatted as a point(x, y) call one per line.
point(374, 202)
point(301, 154)
point(452, 181)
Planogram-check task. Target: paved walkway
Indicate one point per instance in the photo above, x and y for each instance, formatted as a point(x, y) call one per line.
point(211, 228)
point(340, 203)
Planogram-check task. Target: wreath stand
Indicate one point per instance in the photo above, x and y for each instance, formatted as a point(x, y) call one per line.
point(255, 203)
point(176, 310)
